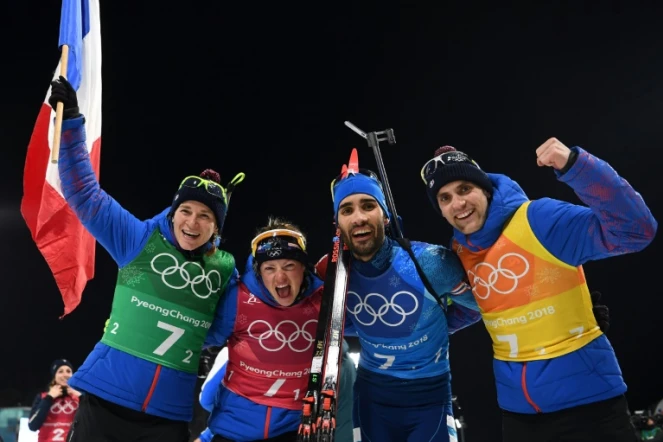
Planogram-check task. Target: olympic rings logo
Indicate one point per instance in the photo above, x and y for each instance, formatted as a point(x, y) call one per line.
point(385, 307)
point(211, 280)
point(296, 336)
point(495, 274)
point(66, 406)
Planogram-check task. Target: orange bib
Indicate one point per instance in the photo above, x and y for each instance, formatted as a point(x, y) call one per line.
point(533, 305)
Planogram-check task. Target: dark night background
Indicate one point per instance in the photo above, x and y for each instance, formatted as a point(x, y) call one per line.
point(265, 90)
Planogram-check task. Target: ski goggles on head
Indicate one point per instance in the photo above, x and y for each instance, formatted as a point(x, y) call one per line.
point(342, 176)
point(280, 238)
point(213, 188)
point(444, 159)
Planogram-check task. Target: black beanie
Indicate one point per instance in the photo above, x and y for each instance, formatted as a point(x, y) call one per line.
point(197, 191)
point(449, 165)
point(59, 363)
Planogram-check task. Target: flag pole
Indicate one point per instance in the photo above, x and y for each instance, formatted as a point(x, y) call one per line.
point(59, 109)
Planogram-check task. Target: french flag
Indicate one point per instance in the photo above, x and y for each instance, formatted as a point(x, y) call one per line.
point(67, 247)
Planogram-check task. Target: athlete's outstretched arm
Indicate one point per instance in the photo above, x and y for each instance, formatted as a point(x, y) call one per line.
point(117, 230)
point(615, 221)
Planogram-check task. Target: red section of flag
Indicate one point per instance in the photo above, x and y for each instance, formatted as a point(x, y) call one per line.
point(67, 247)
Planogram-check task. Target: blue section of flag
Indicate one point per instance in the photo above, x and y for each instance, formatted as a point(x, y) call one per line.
point(74, 26)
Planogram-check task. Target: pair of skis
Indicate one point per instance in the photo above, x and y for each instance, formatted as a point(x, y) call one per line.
point(318, 422)
point(320, 402)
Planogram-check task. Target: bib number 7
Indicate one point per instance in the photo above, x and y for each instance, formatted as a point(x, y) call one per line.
point(512, 340)
point(389, 360)
point(176, 334)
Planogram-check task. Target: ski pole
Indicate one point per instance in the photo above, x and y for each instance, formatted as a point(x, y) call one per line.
point(373, 139)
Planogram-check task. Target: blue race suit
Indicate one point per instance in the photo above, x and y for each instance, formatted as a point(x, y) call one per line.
point(109, 373)
point(616, 222)
point(403, 387)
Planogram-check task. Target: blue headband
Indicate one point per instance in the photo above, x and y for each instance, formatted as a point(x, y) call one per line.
point(358, 183)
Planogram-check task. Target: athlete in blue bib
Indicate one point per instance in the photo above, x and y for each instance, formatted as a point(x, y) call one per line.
point(403, 387)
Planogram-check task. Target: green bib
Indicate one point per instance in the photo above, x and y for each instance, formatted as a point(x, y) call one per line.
point(164, 304)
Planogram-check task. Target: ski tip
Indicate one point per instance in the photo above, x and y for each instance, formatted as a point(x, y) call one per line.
point(353, 162)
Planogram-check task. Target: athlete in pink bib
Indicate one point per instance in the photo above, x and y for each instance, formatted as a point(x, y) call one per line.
point(271, 315)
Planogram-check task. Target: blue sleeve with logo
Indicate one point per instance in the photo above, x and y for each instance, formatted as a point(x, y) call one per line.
point(615, 221)
point(447, 276)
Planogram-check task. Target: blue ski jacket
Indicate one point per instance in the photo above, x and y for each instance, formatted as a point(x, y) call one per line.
point(616, 222)
point(109, 373)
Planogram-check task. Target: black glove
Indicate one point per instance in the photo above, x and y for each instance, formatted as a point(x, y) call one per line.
point(205, 364)
point(61, 90)
point(207, 356)
point(601, 312)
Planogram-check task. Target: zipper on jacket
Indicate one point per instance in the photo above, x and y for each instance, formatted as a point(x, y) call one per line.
point(524, 385)
point(153, 387)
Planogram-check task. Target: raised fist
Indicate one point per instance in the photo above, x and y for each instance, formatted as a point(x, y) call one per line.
point(552, 153)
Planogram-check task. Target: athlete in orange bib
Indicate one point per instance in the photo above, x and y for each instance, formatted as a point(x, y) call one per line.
point(556, 374)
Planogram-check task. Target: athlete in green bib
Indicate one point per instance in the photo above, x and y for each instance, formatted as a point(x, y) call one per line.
point(138, 382)
point(164, 304)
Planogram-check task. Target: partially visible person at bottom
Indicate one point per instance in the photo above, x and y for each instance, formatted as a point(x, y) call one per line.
point(649, 430)
point(53, 411)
